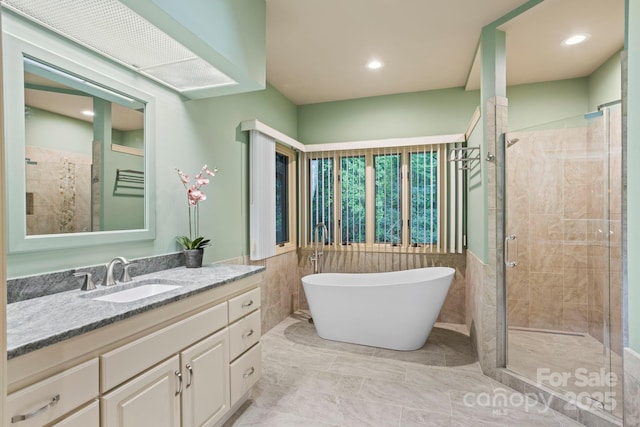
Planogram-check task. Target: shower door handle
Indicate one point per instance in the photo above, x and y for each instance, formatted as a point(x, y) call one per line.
point(507, 261)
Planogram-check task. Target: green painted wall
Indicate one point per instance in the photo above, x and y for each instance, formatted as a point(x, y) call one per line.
point(476, 202)
point(52, 131)
point(605, 83)
point(437, 112)
point(539, 103)
point(188, 135)
point(218, 120)
point(633, 173)
point(133, 138)
point(123, 203)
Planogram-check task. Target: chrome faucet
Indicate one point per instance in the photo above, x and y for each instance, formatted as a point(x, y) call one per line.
point(109, 280)
point(318, 249)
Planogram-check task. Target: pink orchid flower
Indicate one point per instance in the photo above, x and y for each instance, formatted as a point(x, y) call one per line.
point(200, 180)
point(194, 196)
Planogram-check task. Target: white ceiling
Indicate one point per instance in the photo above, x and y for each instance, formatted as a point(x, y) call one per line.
point(317, 50)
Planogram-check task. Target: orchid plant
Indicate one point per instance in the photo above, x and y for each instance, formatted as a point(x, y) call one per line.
point(194, 196)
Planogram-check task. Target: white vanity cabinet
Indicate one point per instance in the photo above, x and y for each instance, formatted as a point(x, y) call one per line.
point(189, 363)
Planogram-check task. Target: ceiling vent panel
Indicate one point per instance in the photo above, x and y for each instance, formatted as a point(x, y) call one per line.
point(115, 31)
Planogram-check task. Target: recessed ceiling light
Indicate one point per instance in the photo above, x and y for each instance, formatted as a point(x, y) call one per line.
point(374, 65)
point(575, 39)
point(88, 113)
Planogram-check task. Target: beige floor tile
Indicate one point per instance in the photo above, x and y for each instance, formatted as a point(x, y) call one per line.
point(309, 382)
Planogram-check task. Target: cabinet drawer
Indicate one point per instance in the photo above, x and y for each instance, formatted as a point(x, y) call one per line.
point(131, 359)
point(49, 399)
point(86, 417)
point(244, 333)
point(245, 372)
point(244, 304)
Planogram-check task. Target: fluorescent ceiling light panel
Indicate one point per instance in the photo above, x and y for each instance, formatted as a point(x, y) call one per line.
point(115, 31)
point(374, 65)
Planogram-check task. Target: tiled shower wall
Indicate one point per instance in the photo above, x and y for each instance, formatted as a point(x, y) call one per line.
point(60, 191)
point(556, 207)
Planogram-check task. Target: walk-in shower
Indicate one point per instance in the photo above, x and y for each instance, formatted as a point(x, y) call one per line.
point(563, 268)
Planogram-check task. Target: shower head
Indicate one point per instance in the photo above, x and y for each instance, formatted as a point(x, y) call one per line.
point(511, 141)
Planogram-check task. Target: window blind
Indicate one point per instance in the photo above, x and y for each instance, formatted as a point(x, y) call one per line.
point(394, 199)
point(262, 196)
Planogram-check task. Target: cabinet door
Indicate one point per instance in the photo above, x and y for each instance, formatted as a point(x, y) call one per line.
point(151, 399)
point(205, 366)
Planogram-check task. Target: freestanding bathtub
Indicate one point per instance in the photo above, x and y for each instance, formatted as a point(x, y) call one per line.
point(393, 310)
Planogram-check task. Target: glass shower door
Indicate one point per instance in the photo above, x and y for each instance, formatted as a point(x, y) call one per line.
point(563, 257)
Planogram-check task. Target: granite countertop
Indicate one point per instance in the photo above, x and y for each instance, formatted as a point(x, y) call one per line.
point(38, 322)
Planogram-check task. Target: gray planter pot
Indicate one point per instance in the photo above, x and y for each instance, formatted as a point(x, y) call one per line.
point(193, 258)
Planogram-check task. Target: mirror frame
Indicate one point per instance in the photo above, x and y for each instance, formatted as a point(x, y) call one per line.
point(14, 51)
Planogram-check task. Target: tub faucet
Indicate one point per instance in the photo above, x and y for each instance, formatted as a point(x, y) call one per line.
point(318, 249)
point(109, 280)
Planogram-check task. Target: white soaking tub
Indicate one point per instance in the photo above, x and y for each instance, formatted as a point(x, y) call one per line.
point(393, 310)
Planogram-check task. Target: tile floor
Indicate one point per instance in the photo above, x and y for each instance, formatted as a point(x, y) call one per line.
point(564, 354)
point(308, 382)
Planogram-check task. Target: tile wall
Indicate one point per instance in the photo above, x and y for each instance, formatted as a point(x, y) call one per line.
point(60, 185)
point(279, 290)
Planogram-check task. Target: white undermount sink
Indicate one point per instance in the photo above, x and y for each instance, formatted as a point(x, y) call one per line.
point(137, 293)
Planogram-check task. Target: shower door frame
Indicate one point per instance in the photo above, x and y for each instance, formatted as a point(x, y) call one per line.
point(501, 266)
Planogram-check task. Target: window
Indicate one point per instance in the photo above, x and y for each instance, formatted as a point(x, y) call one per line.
point(388, 196)
point(321, 194)
point(380, 199)
point(352, 199)
point(282, 198)
point(285, 199)
point(423, 179)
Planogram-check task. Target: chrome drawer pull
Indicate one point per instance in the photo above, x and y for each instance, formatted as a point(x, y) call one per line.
point(247, 304)
point(190, 369)
point(249, 372)
point(54, 401)
point(247, 334)
point(179, 375)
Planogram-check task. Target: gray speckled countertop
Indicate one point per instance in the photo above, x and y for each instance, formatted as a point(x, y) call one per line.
point(36, 323)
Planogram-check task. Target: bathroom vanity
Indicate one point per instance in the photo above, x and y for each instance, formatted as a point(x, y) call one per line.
point(186, 357)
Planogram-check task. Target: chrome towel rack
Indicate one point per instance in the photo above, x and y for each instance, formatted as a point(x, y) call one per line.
point(466, 157)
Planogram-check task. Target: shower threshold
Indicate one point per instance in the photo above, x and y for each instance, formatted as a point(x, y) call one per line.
point(547, 331)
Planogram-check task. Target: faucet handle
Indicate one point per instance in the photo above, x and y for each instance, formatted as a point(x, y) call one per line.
point(126, 276)
point(87, 281)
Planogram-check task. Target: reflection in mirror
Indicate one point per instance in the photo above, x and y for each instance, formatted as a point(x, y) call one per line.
point(84, 154)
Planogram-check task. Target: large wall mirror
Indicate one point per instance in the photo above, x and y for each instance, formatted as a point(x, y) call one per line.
point(79, 158)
